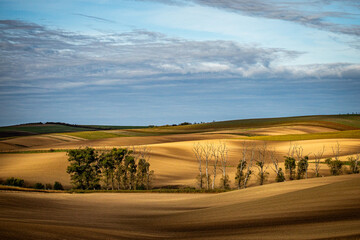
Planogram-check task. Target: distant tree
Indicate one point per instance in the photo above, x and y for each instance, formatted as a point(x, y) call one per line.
point(131, 171)
point(354, 164)
point(147, 174)
point(335, 165)
point(39, 186)
point(216, 156)
point(58, 186)
point(261, 163)
point(240, 175)
point(223, 154)
point(280, 177)
point(84, 168)
point(303, 165)
point(119, 167)
point(118, 155)
point(207, 153)
point(107, 168)
point(198, 152)
point(290, 162)
point(48, 186)
point(17, 182)
point(318, 156)
point(290, 165)
point(301, 162)
point(249, 164)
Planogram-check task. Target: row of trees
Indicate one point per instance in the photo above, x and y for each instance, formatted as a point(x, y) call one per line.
point(18, 182)
point(119, 168)
point(295, 162)
point(212, 155)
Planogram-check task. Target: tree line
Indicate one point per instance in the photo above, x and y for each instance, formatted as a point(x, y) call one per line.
point(213, 157)
point(117, 169)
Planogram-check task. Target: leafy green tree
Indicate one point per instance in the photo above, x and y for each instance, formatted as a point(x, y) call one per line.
point(129, 177)
point(303, 165)
point(144, 174)
point(107, 166)
point(84, 168)
point(141, 175)
point(118, 155)
point(335, 166)
point(290, 165)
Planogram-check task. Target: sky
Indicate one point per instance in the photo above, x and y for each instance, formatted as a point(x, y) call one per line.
point(156, 62)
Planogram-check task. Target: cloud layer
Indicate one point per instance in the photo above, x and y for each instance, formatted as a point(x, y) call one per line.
point(34, 56)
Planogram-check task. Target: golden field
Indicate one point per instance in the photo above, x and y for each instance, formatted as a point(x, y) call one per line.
point(313, 208)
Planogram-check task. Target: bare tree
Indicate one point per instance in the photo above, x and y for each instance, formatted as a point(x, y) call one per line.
point(198, 151)
point(223, 154)
point(216, 155)
point(354, 163)
point(249, 166)
point(298, 150)
point(291, 150)
point(318, 156)
point(207, 154)
point(336, 151)
point(262, 164)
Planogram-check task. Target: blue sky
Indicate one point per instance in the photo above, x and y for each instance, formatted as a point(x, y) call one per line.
point(141, 62)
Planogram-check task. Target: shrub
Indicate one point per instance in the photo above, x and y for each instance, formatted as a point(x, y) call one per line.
point(39, 186)
point(18, 182)
point(58, 186)
point(225, 182)
point(48, 186)
point(303, 165)
point(354, 164)
point(335, 166)
point(280, 177)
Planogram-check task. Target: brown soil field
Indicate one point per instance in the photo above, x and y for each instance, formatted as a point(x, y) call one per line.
point(29, 142)
point(314, 208)
point(318, 208)
point(173, 162)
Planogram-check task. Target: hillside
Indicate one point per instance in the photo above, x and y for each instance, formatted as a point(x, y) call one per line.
point(321, 208)
point(43, 158)
point(53, 127)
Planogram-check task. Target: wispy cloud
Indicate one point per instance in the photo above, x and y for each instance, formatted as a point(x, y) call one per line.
point(311, 13)
point(95, 18)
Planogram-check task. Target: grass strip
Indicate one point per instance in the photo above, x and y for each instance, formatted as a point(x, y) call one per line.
point(312, 136)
